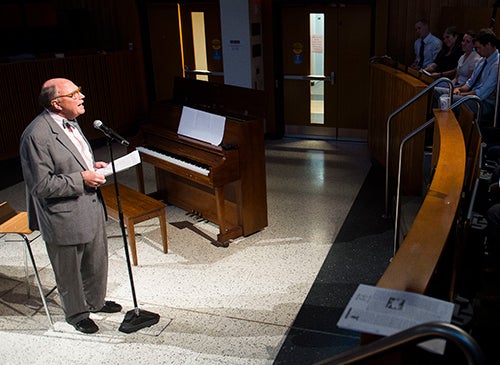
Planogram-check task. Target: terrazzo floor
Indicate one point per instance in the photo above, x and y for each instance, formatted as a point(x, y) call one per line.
point(231, 305)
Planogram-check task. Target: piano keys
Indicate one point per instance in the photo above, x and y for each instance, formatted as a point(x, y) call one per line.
point(224, 184)
point(176, 160)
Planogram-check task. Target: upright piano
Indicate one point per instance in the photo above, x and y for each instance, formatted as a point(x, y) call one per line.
point(225, 184)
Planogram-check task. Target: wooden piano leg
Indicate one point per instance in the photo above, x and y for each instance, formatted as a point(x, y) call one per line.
point(226, 232)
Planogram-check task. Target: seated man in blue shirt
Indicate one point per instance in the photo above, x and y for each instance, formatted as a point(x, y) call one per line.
point(483, 81)
point(426, 46)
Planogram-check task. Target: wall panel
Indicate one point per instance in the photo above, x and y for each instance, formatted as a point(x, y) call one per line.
point(109, 84)
point(402, 15)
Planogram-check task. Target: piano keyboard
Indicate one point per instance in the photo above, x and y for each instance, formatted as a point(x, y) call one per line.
point(174, 160)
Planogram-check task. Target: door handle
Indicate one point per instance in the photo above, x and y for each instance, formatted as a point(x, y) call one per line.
point(306, 77)
point(187, 70)
point(330, 77)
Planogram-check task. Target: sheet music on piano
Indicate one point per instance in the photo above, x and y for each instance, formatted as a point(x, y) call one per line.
point(201, 125)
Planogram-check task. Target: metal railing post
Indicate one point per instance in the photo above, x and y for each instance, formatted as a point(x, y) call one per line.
point(388, 131)
point(400, 158)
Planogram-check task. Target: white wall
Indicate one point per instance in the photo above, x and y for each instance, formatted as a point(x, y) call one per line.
point(235, 28)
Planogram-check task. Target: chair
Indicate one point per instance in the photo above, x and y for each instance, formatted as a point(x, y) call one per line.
point(13, 222)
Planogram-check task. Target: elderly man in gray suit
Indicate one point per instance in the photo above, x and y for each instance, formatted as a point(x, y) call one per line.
point(64, 202)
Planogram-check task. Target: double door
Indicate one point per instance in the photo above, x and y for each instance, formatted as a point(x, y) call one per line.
point(325, 62)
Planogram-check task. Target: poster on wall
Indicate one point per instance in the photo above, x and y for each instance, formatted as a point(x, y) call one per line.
point(316, 43)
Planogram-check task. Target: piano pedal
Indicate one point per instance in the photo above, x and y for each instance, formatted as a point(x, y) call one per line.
point(196, 215)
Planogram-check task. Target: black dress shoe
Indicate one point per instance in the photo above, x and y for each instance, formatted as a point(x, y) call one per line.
point(86, 326)
point(109, 307)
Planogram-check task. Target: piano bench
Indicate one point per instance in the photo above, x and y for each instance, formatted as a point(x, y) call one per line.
point(136, 207)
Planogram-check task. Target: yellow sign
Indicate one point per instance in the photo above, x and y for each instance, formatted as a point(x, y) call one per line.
point(298, 48)
point(216, 44)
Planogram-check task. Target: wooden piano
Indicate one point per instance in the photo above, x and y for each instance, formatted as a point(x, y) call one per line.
point(224, 184)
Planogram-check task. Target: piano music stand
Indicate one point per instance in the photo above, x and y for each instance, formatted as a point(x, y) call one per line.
point(136, 318)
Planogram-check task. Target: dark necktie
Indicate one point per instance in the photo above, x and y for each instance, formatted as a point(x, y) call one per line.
point(476, 80)
point(70, 124)
point(421, 54)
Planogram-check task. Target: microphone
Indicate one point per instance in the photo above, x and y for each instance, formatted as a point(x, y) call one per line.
point(110, 133)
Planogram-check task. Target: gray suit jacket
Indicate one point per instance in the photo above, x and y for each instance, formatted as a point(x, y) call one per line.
point(59, 204)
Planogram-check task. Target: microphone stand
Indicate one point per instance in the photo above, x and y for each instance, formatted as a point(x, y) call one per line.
point(136, 318)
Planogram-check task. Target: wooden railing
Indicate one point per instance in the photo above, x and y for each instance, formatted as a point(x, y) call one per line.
point(417, 259)
point(428, 258)
point(113, 93)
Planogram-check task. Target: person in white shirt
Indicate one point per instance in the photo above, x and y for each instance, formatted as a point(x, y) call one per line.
point(427, 45)
point(467, 61)
point(64, 202)
point(465, 67)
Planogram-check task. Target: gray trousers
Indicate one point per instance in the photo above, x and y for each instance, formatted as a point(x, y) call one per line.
point(81, 273)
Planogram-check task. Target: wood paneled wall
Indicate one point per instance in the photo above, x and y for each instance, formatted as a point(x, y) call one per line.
point(402, 15)
point(49, 26)
point(391, 88)
point(112, 94)
point(102, 45)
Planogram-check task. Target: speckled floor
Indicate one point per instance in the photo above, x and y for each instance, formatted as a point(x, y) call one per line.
point(232, 305)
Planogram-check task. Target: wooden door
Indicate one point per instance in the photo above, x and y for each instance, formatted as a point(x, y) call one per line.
point(201, 32)
point(165, 41)
point(173, 47)
point(333, 103)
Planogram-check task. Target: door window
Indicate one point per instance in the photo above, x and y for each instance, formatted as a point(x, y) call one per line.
point(199, 43)
point(317, 47)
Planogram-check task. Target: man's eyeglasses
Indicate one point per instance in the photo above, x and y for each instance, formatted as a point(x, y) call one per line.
point(72, 95)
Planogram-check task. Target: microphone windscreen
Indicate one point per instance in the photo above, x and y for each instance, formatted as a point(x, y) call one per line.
point(97, 124)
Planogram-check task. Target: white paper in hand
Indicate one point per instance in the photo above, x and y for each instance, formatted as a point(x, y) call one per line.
point(122, 163)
